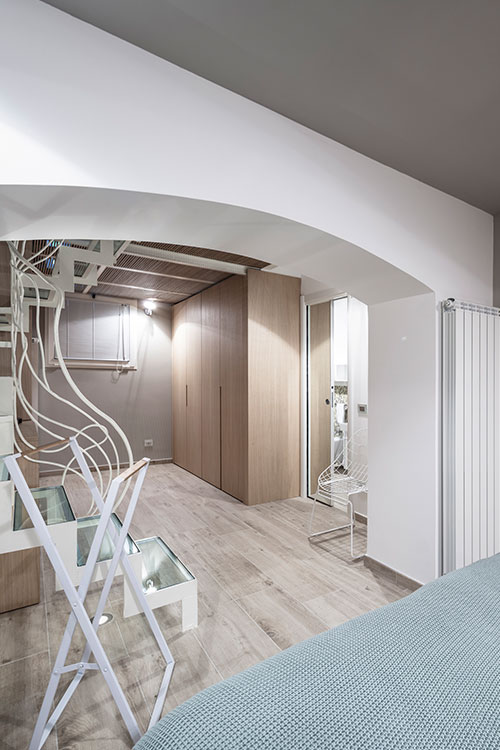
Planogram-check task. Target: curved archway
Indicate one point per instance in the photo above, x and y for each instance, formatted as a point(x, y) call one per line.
point(103, 140)
point(114, 117)
point(320, 259)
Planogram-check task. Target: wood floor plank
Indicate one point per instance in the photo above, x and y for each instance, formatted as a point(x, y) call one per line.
point(233, 640)
point(22, 633)
point(193, 670)
point(262, 586)
point(283, 618)
point(22, 687)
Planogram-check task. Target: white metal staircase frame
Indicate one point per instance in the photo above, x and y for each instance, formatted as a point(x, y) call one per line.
point(76, 597)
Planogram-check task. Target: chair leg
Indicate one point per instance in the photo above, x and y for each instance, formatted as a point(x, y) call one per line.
point(349, 526)
point(311, 517)
point(311, 535)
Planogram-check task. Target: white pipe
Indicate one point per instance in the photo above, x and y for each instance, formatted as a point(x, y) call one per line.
point(19, 265)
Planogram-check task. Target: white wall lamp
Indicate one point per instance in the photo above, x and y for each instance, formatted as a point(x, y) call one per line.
point(149, 306)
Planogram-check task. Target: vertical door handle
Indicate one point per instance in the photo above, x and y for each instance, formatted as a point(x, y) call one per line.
point(186, 395)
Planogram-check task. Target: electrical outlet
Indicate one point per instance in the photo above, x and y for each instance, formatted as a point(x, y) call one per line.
point(148, 443)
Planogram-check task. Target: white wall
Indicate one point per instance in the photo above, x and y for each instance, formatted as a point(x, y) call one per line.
point(101, 139)
point(403, 512)
point(358, 376)
point(118, 118)
point(139, 400)
point(358, 362)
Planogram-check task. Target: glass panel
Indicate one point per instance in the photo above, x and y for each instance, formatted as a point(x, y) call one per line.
point(319, 391)
point(85, 532)
point(53, 504)
point(160, 567)
point(4, 474)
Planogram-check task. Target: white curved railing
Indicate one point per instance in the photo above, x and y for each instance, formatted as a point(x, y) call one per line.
point(22, 271)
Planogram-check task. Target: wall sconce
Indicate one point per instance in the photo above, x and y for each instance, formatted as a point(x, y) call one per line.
point(149, 306)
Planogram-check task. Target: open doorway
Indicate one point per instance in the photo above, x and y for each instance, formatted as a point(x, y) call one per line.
point(337, 393)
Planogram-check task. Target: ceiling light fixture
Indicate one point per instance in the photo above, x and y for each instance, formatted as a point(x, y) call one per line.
point(149, 306)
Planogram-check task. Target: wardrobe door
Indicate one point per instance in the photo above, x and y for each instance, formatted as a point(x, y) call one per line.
point(273, 386)
point(193, 385)
point(234, 397)
point(179, 383)
point(210, 385)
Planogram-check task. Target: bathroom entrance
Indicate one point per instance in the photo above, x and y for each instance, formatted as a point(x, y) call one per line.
point(337, 352)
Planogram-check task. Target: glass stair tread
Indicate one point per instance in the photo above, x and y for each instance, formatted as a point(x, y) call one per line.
point(161, 568)
point(53, 504)
point(85, 532)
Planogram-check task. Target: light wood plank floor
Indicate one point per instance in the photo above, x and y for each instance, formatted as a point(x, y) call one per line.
point(262, 587)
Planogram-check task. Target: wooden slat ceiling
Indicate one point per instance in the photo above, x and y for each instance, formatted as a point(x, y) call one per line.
point(136, 277)
point(154, 282)
point(204, 252)
point(113, 291)
point(137, 263)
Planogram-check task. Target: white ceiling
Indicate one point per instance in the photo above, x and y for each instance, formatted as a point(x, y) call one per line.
point(413, 85)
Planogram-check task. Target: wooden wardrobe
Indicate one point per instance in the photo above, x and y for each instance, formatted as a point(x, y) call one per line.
point(236, 386)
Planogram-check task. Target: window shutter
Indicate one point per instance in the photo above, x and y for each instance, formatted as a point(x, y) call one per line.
point(94, 330)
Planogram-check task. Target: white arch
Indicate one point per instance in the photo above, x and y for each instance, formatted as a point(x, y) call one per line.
point(103, 140)
point(81, 108)
point(322, 260)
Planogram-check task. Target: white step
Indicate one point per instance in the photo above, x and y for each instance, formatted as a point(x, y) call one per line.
point(6, 435)
point(6, 396)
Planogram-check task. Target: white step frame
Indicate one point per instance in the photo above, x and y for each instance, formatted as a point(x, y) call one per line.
point(76, 597)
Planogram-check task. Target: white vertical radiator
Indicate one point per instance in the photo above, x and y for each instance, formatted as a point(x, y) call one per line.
point(471, 433)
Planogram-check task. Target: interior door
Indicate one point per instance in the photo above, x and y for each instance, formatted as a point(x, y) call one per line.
point(210, 386)
point(234, 387)
point(179, 384)
point(320, 395)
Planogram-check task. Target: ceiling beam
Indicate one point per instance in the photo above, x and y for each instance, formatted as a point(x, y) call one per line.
point(165, 275)
point(153, 292)
point(120, 250)
point(187, 260)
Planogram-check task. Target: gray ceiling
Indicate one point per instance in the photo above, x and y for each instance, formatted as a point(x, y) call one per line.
point(414, 84)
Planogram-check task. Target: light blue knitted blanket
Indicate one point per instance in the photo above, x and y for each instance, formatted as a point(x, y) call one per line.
point(422, 673)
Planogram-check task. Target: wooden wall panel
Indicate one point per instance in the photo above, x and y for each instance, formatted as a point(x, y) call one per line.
point(234, 381)
point(19, 571)
point(19, 579)
point(193, 380)
point(273, 387)
point(319, 391)
point(244, 336)
point(210, 387)
point(179, 383)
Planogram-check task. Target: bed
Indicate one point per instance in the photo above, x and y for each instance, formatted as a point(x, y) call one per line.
point(422, 673)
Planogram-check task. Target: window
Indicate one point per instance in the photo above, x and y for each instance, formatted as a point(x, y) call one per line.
point(96, 332)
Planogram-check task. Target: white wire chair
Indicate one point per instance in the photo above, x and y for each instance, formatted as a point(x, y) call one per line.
point(346, 476)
